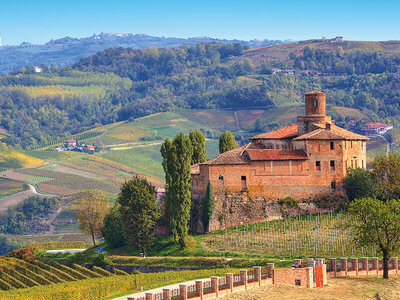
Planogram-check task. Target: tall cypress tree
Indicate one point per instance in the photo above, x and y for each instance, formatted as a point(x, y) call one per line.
point(227, 142)
point(208, 207)
point(198, 141)
point(177, 158)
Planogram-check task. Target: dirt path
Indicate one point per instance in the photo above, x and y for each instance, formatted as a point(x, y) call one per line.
point(18, 197)
point(134, 146)
point(51, 220)
point(338, 288)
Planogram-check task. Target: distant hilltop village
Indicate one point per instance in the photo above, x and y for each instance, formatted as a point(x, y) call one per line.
point(302, 161)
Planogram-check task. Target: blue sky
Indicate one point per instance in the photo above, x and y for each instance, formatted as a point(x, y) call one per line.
point(38, 21)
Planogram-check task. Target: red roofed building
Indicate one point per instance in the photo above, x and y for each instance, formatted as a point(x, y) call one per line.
point(376, 128)
point(302, 161)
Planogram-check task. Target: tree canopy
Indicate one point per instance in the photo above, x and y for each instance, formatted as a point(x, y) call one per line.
point(227, 142)
point(177, 158)
point(387, 170)
point(91, 209)
point(140, 212)
point(376, 223)
point(198, 141)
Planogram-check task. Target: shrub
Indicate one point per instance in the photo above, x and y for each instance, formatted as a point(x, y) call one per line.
point(289, 202)
point(26, 254)
point(101, 259)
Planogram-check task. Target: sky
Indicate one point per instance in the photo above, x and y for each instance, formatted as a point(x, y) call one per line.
point(39, 21)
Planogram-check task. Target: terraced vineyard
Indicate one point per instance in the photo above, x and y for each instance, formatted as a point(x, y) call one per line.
point(17, 273)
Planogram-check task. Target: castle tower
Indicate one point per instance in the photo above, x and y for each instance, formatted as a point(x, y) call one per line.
point(315, 103)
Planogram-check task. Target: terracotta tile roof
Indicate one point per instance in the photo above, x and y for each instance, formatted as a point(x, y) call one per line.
point(273, 154)
point(195, 169)
point(232, 157)
point(372, 125)
point(335, 133)
point(287, 132)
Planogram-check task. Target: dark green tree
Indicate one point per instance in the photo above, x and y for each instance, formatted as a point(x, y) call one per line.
point(177, 158)
point(361, 183)
point(376, 223)
point(140, 212)
point(112, 228)
point(387, 170)
point(208, 207)
point(198, 141)
point(227, 142)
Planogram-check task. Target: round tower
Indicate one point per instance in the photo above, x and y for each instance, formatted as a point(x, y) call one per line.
point(315, 103)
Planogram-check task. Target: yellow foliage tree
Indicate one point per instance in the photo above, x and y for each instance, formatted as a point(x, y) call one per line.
point(91, 209)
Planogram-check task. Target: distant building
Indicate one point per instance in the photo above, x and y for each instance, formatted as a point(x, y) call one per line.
point(37, 69)
point(276, 70)
point(338, 39)
point(69, 143)
point(160, 193)
point(376, 128)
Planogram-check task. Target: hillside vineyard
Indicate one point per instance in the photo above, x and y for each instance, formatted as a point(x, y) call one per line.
point(302, 161)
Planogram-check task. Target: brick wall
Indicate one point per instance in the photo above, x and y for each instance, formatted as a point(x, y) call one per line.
point(290, 276)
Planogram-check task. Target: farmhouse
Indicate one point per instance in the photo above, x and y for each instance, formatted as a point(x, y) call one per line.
point(302, 161)
point(376, 128)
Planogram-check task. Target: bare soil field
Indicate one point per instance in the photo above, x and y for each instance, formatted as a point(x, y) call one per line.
point(337, 288)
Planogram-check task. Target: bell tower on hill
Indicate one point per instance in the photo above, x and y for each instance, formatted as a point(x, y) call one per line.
point(315, 112)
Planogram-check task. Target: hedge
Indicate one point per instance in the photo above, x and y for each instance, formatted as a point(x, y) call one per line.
point(60, 245)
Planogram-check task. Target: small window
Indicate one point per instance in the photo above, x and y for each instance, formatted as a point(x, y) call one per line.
point(340, 146)
point(332, 145)
point(315, 102)
point(332, 165)
point(318, 165)
point(297, 282)
point(351, 144)
point(333, 185)
point(244, 184)
point(362, 164)
point(221, 177)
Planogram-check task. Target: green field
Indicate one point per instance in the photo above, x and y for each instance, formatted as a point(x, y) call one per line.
point(10, 187)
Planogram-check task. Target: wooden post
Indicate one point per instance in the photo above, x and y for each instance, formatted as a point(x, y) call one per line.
point(243, 277)
point(257, 273)
point(229, 281)
point(199, 289)
point(214, 285)
point(365, 264)
point(166, 294)
point(354, 264)
point(182, 291)
point(333, 266)
point(343, 261)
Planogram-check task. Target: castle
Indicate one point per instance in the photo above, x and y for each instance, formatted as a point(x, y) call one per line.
point(302, 161)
